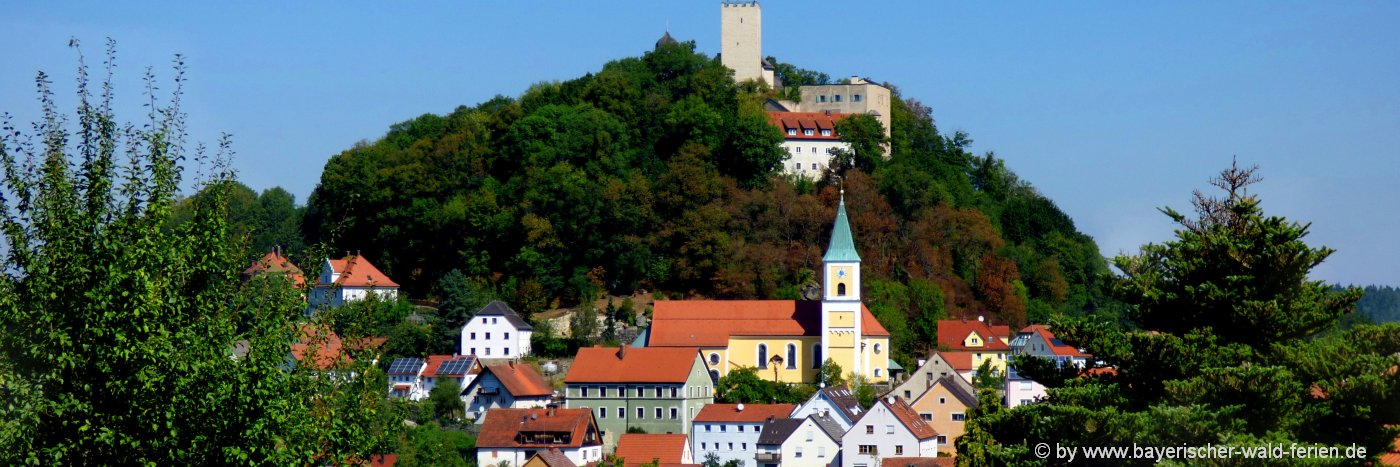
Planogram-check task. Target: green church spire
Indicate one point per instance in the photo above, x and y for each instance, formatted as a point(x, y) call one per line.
point(842, 246)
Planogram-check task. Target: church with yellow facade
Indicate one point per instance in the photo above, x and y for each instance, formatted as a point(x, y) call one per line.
point(785, 340)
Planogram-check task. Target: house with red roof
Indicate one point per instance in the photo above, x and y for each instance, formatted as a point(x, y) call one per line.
point(785, 340)
point(460, 368)
point(656, 389)
point(891, 428)
point(637, 449)
point(1037, 340)
point(348, 279)
point(516, 435)
point(809, 138)
point(507, 384)
point(977, 340)
point(273, 263)
point(731, 431)
point(319, 348)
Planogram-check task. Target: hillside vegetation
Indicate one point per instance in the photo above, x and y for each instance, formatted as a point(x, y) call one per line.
point(659, 172)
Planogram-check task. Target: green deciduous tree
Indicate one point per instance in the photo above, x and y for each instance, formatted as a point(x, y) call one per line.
point(132, 343)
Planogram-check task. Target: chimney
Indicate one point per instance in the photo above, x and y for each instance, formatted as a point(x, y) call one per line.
point(621, 351)
point(550, 411)
point(512, 365)
point(347, 252)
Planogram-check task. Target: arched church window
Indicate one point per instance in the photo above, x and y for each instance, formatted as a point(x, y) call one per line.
point(816, 356)
point(714, 359)
point(792, 356)
point(763, 355)
point(840, 290)
point(877, 349)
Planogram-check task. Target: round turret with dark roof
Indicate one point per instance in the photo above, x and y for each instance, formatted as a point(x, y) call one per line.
point(665, 39)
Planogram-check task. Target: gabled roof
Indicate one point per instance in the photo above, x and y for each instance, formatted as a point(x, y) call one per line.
point(356, 271)
point(842, 246)
point(503, 428)
point(829, 425)
point(952, 332)
point(628, 364)
point(275, 263)
point(801, 121)
point(744, 413)
point(519, 379)
point(950, 382)
point(710, 323)
point(498, 308)
point(405, 366)
point(906, 416)
point(453, 366)
point(844, 400)
point(1058, 347)
point(640, 448)
point(553, 457)
point(777, 430)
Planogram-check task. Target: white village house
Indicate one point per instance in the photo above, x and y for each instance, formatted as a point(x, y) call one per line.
point(348, 279)
point(889, 429)
point(496, 331)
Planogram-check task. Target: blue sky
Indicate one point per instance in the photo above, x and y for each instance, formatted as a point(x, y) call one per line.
point(1112, 109)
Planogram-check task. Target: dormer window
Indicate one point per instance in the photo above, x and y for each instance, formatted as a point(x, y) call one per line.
point(792, 132)
point(808, 132)
point(826, 132)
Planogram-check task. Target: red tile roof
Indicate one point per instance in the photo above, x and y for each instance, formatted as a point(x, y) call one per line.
point(1002, 331)
point(638, 448)
point(323, 343)
point(519, 428)
point(1392, 457)
point(356, 271)
point(919, 462)
point(752, 413)
point(519, 379)
point(435, 365)
point(952, 332)
point(907, 417)
point(800, 121)
point(1056, 346)
point(960, 361)
point(383, 460)
point(275, 263)
point(632, 365)
point(710, 323)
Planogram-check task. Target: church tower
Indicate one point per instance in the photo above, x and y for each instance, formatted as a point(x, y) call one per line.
point(741, 39)
point(841, 306)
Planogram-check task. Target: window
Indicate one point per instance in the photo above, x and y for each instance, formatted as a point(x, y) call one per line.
point(855, 97)
point(906, 395)
point(707, 427)
point(816, 356)
point(928, 417)
point(621, 412)
point(821, 98)
point(814, 149)
point(836, 98)
point(658, 413)
point(743, 446)
point(658, 391)
point(675, 392)
point(602, 412)
point(958, 417)
point(898, 449)
point(877, 372)
point(792, 132)
point(488, 351)
point(741, 428)
point(826, 132)
point(639, 392)
point(792, 356)
point(798, 149)
point(723, 428)
point(942, 400)
point(675, 413)
point(797, 166)
point(814, 166)
point(1025, 401)
point(808, 132)
point(473, 350)
point(840, 290)
point(507, 336)
point(867, 449)
point(870, 429)
point(942, 440)
point(797, 453)
point(506, 351)
point(473, 335)
point(488, 336)
point(703, 446)
point(641, 413)
point(763, 355)
point(493, 321)
point(583, 391)
point(821, 452)
point(877, 348)
point(602, 391)
point(731, 446)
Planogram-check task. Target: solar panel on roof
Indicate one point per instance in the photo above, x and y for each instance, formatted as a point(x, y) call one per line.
point(455, 367)
point(405, 366)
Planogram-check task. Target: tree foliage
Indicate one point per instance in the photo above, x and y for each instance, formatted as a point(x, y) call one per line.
point(127, 339)
point(745, 386)
point(1223, 351)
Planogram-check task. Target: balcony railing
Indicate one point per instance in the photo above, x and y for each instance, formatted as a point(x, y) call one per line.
point(768, 457)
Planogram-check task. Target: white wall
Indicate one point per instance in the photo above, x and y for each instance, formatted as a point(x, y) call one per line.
point(817, 448)
point(803, 155)
point(717, 437)
point(580, 456)
point(880, 421)
point(504, 341)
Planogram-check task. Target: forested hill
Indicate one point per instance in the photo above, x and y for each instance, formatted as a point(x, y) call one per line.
point(659, 172)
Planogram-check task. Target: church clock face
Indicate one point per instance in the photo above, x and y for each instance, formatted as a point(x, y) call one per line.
point(841, 273)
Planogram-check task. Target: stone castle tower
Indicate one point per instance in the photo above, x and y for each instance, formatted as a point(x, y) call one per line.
point(741, 41)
